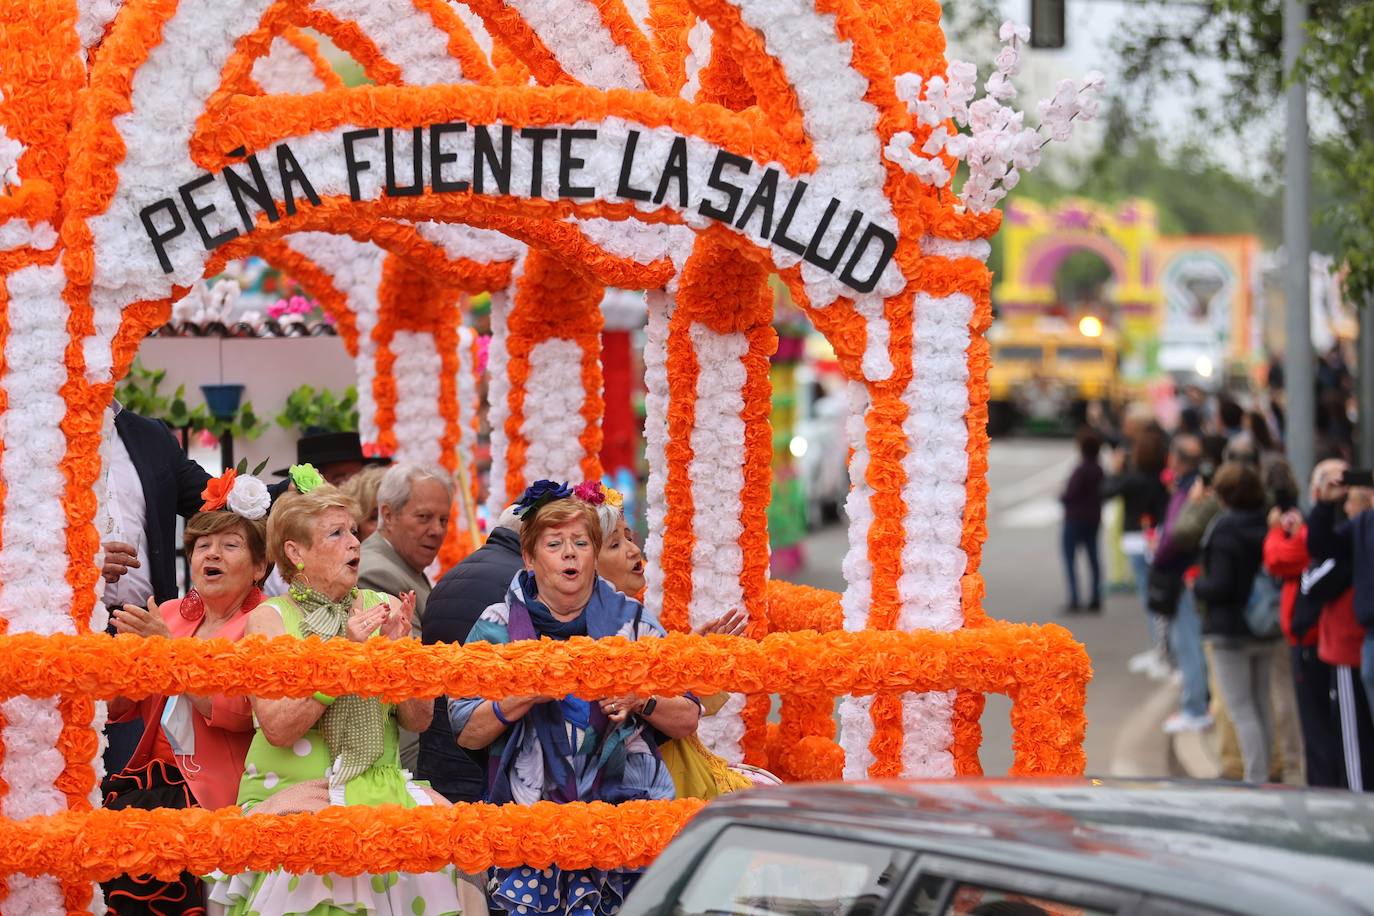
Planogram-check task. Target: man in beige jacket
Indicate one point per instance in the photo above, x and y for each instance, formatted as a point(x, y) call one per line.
point(413, 505)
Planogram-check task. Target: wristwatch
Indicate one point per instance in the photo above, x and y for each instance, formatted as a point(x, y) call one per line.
point(649, 705)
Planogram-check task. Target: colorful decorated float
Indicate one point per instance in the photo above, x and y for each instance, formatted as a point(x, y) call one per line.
point(540, 152)
point(1177, 310)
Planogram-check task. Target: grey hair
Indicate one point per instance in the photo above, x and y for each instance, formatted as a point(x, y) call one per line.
point(609, 517)
point(394, 491)
point(1242, 448)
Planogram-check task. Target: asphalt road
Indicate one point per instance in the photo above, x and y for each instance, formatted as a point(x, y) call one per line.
point(1025, 582)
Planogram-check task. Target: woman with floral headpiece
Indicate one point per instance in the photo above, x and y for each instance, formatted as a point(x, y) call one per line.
point(193, 747)
point(312, 752)
point(566, 749)
point(696, 771)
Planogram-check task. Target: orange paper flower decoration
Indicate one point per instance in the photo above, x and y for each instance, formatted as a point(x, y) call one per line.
point(216, 492)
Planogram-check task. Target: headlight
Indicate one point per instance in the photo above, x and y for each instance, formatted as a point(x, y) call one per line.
point(797, 446)
point(1203, 366)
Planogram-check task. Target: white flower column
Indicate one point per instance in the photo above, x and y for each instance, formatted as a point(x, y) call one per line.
point(33, 591)
point(546, 379)
point(423, 388)
point(342, 274)
point(414, 384)
point(715, 392)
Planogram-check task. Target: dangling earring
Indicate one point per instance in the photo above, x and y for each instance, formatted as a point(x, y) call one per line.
point(192, 606)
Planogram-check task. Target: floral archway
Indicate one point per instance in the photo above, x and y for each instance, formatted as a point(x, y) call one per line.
point(684, 147)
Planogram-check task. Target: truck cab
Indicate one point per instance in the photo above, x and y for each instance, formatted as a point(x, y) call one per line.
point(1045, 373)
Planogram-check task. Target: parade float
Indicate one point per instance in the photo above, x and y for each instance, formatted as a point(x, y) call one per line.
point(539, 152)
point(1176, 310)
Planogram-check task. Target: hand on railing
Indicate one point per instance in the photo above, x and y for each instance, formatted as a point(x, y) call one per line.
point(732, 623)
point(140, 621)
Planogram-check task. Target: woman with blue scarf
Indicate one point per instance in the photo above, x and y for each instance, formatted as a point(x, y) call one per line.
point(567, 749)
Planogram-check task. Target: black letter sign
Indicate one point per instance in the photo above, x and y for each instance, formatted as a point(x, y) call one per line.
point(160, 239)
point(198, 213)
point(567, 162)
point(732, 193)
point(623, 188)
point(355, 166)
point(889, 245)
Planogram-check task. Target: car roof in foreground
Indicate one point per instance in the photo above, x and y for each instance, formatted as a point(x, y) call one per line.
point(1210, 843)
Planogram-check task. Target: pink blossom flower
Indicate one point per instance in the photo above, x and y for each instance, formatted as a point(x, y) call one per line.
point(1012, 32)
point(589, 491)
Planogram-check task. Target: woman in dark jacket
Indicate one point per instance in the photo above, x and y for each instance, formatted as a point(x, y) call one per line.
point(1082, 499)
point(1232, 553)
point(1144, 500)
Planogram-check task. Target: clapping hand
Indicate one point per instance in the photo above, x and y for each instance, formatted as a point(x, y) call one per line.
point(140, 622)
point(1332, 488)
point(732, 623)
point(399, 617)
point(363, 622)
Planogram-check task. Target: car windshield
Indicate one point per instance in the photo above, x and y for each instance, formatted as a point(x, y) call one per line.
point(1020, 353)
point(751, 872)
point(1078, 354)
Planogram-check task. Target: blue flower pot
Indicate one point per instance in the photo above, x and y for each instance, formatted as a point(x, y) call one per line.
point(223, 400)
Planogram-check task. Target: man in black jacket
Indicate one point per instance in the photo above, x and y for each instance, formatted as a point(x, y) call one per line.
point(461, 596)
point(150, 481)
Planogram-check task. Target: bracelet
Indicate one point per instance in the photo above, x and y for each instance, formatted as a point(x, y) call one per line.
point(496, 711)
point(324, 698)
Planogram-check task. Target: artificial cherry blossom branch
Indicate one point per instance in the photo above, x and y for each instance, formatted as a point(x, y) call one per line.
point(997, 146)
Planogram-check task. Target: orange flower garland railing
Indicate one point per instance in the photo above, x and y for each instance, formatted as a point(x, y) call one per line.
point(1041, 668)
point(1038, 663)
point(98, 845)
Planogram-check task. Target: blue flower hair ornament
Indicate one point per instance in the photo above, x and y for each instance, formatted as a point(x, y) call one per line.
point(537, 495)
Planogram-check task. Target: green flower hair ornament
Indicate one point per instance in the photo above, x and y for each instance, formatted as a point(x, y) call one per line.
point(305, 477)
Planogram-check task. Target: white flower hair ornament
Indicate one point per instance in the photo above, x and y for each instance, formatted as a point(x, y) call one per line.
point(997, 146)
point(249, 498)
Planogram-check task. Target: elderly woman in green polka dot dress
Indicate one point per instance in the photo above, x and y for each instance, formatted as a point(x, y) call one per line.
point(313, 752)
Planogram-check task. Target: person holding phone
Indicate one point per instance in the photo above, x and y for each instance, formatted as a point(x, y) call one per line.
point(1359, 501)
point(1340, 536)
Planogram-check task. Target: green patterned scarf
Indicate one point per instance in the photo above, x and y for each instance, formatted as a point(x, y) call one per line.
point(353, 727)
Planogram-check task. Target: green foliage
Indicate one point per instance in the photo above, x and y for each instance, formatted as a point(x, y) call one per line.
point(1246, 37)
point(139, 392)
point(245, 424)
point(242, 467)
point(311, 410)
point(1082, 277)
point(1194, 195)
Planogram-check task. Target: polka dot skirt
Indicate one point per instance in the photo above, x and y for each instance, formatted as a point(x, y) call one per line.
point(590, 892)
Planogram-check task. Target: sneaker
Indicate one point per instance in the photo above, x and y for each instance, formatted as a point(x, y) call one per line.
point(1187, 722)
point(1161, 669)
point(1142, 662)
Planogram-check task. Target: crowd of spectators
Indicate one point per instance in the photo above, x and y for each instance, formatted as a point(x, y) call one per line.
point(1258, 593)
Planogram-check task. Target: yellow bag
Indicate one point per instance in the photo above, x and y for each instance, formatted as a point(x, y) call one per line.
point(698, 773)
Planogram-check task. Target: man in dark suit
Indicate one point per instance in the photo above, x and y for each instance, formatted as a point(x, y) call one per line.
point(461, 596)
point(150, 481)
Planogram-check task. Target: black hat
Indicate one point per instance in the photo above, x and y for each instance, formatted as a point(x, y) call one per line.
point(321, 449)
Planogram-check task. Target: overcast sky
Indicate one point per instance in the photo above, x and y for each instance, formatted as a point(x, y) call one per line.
point(1093, 28)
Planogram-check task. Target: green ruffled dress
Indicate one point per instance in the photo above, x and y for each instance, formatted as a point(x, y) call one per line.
point(271, 770)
